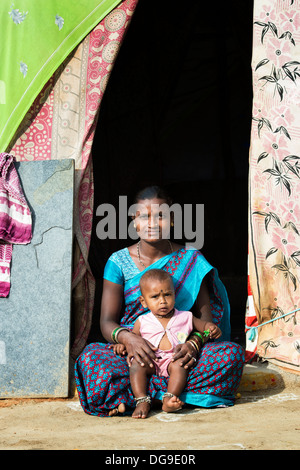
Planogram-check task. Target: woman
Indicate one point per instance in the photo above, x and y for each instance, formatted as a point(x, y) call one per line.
point(102, 378)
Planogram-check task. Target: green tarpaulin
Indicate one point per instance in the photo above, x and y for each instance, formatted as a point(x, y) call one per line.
point(36, 36)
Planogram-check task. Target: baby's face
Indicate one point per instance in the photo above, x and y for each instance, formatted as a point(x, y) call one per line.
point(158, 296)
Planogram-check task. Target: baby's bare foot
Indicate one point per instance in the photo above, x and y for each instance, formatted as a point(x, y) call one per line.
point(172, 404)
point(141, 410)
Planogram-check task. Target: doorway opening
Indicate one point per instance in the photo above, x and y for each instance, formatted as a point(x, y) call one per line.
point(177, 112)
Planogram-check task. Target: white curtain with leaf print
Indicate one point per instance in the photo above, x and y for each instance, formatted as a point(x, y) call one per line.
point(274, 185)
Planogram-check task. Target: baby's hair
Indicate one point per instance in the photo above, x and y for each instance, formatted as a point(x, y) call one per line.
point(155, 274)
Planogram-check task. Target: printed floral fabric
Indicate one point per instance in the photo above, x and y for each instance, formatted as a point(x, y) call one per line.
point(61, 123)
point(56, 27)
point(274, 210)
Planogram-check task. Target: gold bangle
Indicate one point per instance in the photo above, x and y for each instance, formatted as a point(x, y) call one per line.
point(198, 341)
point(197, 345)
point(194, 344)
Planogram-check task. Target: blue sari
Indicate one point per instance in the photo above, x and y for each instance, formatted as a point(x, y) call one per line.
point(102, 378)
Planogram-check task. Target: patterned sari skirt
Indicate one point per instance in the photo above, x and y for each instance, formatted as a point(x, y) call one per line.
point(102, 378)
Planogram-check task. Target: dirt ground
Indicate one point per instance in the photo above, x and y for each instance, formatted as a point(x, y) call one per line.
point(263, 420)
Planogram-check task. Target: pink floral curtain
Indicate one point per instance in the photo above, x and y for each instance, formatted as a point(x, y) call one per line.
point(61, 124)
point(274, 185)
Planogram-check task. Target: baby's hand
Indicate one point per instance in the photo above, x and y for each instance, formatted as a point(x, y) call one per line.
point(118, 349)
point(214, 331)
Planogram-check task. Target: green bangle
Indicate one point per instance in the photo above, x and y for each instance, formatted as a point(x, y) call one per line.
point(116, 331)
point(113, 334)
point(196, 333)
point(205, 334)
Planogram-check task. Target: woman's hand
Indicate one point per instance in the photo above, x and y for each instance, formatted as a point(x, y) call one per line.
point(138, 348)
point(187, 352)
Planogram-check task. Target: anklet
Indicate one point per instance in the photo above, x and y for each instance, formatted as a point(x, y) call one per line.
point(167, 395)
point(145, 399)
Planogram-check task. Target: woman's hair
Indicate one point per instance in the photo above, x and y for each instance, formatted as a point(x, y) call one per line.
point(151, 192)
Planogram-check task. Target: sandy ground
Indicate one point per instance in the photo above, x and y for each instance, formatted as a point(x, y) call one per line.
point(263, 420)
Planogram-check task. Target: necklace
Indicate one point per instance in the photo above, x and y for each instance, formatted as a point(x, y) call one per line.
point(139, 256)
point(170, 314)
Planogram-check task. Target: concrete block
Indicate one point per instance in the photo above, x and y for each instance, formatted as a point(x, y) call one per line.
point(35, 318)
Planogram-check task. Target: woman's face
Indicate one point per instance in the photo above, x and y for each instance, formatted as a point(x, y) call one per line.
point(152, 219)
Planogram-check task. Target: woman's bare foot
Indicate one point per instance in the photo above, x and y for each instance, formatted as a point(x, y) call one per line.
point(172, 404)
point(141, 410)
point(121, 409)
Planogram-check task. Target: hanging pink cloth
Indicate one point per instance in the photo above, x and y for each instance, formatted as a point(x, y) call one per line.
point(15, 218)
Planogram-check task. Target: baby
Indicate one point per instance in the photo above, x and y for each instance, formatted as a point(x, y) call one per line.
point(165, 327)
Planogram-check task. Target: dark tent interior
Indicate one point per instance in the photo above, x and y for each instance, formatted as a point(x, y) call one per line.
point(177, 112)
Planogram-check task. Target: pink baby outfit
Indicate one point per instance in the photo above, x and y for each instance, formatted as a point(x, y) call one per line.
point(178, 329)
point(15, 218)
